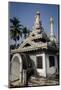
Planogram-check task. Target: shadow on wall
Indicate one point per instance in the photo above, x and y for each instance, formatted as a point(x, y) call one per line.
point(29, 66)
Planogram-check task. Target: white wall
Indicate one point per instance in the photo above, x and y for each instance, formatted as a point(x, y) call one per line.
point(51, 70)
point(33, 57)
point(56, 63)
point(42, 72)
point(16, 67)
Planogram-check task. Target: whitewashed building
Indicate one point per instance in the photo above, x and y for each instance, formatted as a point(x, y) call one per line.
point(40, 48)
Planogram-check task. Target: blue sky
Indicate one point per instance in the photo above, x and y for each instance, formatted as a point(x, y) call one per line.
point(25, 12)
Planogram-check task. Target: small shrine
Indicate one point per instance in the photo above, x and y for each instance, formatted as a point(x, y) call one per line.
point(38, 48)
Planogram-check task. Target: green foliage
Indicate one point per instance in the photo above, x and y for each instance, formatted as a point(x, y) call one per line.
point(25, 32)
point(15, 29)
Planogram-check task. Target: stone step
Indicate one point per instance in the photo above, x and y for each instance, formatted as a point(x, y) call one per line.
point(17, 83)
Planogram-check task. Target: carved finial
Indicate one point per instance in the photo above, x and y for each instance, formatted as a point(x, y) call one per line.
point(37, 20)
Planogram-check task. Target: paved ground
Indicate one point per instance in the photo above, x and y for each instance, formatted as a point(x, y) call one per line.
point(44, 81)
point(39, 81)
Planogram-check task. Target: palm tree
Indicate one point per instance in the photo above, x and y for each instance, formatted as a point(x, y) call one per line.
point(15, 29)
point(25, 32)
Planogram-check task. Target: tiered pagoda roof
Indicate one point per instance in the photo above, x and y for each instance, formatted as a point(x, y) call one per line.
point(37, 39)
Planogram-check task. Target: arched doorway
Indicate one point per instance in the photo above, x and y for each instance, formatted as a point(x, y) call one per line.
point(16, 69)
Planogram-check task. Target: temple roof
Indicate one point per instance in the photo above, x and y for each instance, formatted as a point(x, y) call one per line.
point(37, 39)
